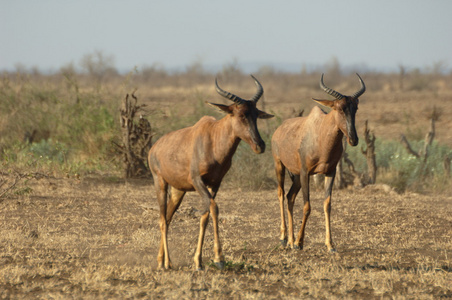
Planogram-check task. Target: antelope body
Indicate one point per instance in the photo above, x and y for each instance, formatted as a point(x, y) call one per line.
point(313, 145)
point(196, 159)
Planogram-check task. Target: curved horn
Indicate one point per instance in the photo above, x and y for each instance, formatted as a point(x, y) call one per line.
point(260, 90)
point(329, 91)
point(362, 90)
point(228, 95)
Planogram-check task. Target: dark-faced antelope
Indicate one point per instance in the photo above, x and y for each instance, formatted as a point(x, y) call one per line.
point(313, 145)
point(196, 159)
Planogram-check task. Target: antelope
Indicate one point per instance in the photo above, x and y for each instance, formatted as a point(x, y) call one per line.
point(313, 145)
point(197, 158)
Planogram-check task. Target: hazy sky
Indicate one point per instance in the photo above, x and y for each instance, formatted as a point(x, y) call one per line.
point(377, 34)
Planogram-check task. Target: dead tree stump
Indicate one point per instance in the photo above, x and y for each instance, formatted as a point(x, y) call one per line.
point(136, 139)
point(369, 153)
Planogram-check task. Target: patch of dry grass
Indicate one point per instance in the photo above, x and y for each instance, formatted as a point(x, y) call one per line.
point(96, 239)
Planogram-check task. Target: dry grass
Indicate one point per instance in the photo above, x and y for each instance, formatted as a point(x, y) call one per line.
point(97, 239)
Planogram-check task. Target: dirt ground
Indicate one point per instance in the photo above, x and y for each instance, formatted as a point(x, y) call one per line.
point(97, 238)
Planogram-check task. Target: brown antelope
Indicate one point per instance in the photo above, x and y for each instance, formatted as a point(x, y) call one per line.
point(313, 145)
point(196, 159)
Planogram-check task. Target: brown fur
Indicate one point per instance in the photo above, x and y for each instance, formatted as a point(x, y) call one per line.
point(196, 159)
point(312, 145)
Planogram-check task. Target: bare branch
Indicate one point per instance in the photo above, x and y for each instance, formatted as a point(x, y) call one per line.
point(407, 146)
point(17, 179)
point(429, 138)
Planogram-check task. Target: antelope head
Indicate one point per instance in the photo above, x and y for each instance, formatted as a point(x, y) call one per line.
point(346, 107)
point(244, 114)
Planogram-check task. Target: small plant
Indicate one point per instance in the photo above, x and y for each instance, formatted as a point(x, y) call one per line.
point(50, 150)
point(234, 266)
point(15, 183)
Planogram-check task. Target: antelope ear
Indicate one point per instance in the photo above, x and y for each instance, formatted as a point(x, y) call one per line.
point(224, 108)
point(327, 103)
point(263, 115)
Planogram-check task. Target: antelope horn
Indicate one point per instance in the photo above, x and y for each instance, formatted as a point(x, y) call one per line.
point(329, 91)
point(228, 95)
point(260, 90)
point(362, 90)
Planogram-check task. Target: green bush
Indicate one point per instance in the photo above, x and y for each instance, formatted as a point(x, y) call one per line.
point(401, 170)
point(49, 150)
point(69, 134)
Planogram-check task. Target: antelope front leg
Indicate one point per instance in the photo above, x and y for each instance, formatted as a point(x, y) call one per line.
point(202, 232)
point(329, 179)
point(209, 206)
point(219, 259)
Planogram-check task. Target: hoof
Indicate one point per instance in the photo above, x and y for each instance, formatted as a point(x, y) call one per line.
point(332, 251)
point(283, 243)
point(198, 269)
point(298, 247)
point(220, 265)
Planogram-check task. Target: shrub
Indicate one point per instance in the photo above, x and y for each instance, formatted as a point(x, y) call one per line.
point(49, 150)
point(82, 129)
point(402, 170)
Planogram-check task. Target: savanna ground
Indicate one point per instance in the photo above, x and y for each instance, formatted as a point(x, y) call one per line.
point(98, 239)
point(72, 227)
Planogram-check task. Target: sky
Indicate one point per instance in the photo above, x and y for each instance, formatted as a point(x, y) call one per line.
point(174, 34)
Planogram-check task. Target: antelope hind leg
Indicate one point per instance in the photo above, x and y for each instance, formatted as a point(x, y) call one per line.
point(163, 259)
point(304, 183)
point(291, 195)
point(280, 175)
point(219, 258)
